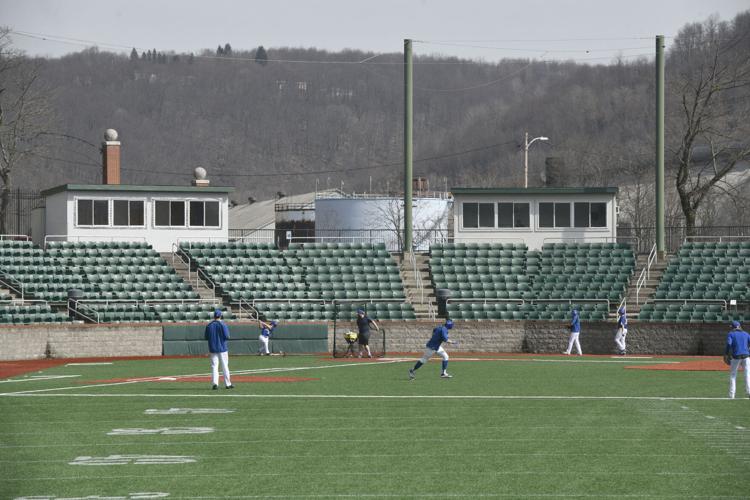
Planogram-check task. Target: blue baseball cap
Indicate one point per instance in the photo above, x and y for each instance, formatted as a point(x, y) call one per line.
point(449, 323)
point(621, 310)
point(217, 313)
point(735, 324)
point(274, 323)
point(360, 311)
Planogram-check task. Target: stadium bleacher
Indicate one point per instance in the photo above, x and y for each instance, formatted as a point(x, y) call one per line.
point(700, 281)
point(508, 282)
point(302, 282)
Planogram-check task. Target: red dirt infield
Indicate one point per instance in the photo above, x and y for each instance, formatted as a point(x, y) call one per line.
point(701, 365)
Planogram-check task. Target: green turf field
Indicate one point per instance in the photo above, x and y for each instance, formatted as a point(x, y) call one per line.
point(518, 427)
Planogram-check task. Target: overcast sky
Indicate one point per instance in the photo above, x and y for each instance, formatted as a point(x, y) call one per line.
point(479, 29)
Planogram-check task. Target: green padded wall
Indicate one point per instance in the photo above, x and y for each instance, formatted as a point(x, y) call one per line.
point(290, 338)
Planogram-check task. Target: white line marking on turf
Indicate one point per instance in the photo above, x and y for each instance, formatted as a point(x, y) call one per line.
point(739, 427)
point(90, 364)
point(129, 496)
point(165, 431)
point(185, 411)
point(372, 396)
point(157, 378)
point(36, 378)
point(133, 459)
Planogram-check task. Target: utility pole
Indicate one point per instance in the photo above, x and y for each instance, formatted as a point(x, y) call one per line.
point(660, 240)
point(408, 121)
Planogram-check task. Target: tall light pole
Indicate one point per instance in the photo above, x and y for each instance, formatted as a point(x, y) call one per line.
point(526, 145)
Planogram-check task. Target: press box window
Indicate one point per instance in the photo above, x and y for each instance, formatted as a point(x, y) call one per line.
point(479, 215)
point(512, 215)
point(204, 214)
point(93, 213)
point(169, 213)
point(554, 215)
point(127, 213)
point(590, 215)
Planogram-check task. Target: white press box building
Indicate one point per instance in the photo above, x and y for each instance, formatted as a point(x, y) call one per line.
point(535, 215)
point(160, 215)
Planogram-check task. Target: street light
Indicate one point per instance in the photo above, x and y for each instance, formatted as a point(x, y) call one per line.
point(526, 157)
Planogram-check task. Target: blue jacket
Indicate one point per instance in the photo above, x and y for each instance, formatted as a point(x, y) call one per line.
point(575, 322)
point(439, 335)
point(737, 343)
point(217, 334)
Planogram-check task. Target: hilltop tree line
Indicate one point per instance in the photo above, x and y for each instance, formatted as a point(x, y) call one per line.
point(262, 121)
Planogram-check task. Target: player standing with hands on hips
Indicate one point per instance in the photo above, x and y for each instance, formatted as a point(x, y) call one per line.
point(737, 353)
point(217, 334)
point(266, 330)
point(575, 331)
point(622, 331)
point(434, 345)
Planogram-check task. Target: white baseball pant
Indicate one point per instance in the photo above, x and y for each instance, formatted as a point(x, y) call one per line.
point(263, 348)
point(223, 358)
point(573, 340)
point(429, 352)
point(734, 365)
point(620, 338)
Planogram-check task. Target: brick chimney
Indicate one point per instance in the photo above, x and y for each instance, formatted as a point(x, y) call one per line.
point(110, 158)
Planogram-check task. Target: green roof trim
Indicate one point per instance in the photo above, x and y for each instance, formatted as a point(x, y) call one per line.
point(133, 188)
point(536, 190)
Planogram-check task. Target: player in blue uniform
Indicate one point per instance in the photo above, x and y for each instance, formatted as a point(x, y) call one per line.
point(434, 345)
point(622, 331)
point(575, 331)
point(266, 330)
point(217, 334)
point(738, 348)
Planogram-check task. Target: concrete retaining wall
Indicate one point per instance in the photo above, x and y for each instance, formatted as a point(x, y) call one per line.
point(79, 341)
point(67, 341)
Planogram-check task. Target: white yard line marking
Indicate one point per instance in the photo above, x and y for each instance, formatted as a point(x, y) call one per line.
point(361, 396)
point(36, 378)
point(90, 364)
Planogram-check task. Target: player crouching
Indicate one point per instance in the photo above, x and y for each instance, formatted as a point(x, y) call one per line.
point(434, 345)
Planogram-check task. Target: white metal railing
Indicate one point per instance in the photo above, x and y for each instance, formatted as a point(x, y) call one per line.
point(245, 306)
point(185, 257)
point(12, 284)
point(719, 239)
point(89, 237)
point(76, 310)
point(591, 239)
point(645, 274)
point(25, 237)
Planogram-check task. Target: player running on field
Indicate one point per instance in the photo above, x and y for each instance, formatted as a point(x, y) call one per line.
point(738, 349)
point(434, 345)
point(363, 325)
point(266, 330)
point(622, 331)
point(575, 331)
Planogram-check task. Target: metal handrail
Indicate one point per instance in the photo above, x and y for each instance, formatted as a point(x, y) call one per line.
point(185, 257)
point(696, 301)
point(85, 306)
point(25, 237)
point(587, 239)
point(720, 238)
point(645, 273)
point(206, 280)
point(12, 284)
point(91, 237)
point(250, 307)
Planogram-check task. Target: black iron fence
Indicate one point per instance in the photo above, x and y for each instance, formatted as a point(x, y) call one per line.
point(674, 236)
point(17, 218)
point(643, 238)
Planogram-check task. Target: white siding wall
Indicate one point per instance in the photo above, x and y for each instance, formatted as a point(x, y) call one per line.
point(61, 219)
point(534, 236)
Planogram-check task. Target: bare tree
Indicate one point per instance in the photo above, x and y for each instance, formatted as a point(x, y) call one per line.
point(23, 113)
point(710, 108)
